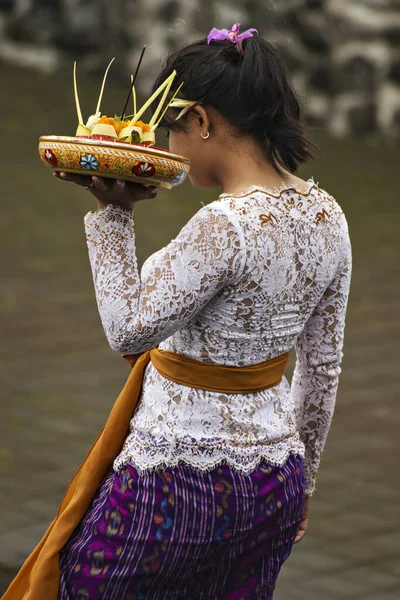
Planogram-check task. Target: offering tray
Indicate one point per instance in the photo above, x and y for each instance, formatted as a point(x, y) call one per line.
point(119, 160)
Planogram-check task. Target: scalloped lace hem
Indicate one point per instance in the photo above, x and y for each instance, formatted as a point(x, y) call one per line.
point(194, 458)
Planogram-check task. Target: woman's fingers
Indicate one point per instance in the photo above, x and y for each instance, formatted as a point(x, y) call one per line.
point(303, 525)
point(102, 185)
point(107, 190)
point(301, 532)
point(119, 187)
point(83, 180)
point(140, 191)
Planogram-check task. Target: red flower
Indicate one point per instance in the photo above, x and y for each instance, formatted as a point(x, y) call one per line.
point(143, 169)
point(50, 157)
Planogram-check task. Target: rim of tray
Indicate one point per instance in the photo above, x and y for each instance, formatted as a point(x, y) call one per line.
point(121, 145)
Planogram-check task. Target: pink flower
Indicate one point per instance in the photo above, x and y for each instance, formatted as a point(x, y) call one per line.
point(231, 35)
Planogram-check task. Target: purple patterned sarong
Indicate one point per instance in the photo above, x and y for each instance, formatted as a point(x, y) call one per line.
point(182, 534)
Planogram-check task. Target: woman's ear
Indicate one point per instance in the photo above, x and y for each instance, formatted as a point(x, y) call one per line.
point(203, 120)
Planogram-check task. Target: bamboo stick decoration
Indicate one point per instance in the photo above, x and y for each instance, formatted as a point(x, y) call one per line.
point(154, 127)
point(153, 119)
point(167, 82)
point(133, 94)
point(133, 81)
point(102, 87)
point(77, 104)
point(186, 104)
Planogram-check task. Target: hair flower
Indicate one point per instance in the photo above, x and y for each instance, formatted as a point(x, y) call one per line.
point(232, 35)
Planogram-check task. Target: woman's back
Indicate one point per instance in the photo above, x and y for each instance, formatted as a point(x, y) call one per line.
point(248, 278)
point(291, 246)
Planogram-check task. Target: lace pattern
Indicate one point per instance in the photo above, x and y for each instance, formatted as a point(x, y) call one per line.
point(249, 277)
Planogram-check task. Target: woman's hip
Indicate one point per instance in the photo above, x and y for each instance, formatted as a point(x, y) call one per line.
point(184, 529)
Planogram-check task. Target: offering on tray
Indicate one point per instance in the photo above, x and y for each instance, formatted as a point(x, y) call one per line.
point(120, 147)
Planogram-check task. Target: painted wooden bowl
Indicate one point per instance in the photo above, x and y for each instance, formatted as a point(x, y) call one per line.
point(118, 160)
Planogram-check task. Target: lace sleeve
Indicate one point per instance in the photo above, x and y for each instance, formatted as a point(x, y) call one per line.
point(318, 358)
point(139, 311)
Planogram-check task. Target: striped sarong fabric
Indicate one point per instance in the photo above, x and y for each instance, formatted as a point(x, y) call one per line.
point(182, 534)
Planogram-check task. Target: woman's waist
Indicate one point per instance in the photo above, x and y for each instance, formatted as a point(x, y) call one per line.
point(169, 410)
point(241, 439)
point(235, 352)
point(155, 383)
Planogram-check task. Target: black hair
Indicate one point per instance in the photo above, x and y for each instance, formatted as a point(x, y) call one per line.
point(251, 89)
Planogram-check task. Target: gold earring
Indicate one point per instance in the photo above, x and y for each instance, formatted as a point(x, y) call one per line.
point(205, 137)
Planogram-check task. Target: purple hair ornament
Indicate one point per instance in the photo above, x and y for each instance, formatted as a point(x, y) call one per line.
point(232, 35)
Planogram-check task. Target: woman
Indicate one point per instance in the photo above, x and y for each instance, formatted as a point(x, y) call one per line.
point(211, 490)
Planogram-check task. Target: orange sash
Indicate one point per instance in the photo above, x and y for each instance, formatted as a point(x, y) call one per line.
point(38, 578)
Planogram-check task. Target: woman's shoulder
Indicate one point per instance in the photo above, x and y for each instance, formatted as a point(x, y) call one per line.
point(312, 204)
point(257, 206)
point(327, 206)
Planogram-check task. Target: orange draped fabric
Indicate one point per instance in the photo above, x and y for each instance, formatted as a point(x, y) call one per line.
point(38, 578)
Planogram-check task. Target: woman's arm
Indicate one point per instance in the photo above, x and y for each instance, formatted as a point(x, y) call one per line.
point(140, 310)
point(318, 358)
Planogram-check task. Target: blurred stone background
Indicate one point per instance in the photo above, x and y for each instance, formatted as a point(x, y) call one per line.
point(59, 378)
point(344, 55)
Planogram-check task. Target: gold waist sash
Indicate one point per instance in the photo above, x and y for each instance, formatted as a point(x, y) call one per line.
point(38, 578)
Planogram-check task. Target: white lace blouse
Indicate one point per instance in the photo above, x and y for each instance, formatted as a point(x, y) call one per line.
point(249, 277)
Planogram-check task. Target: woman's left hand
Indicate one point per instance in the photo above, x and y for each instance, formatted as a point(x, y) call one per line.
point(111, 191)
point(303, 526)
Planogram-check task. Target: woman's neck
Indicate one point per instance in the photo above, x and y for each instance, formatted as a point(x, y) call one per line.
point(243, 167)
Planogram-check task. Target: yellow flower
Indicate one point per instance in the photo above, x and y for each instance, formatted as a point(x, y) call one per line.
point(119, 125)
point(143, 126)
point(107, 120)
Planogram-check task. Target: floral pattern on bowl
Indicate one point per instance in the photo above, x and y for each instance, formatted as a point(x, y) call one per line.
point(89, 162)
point(50, 157)
point(143, 169)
